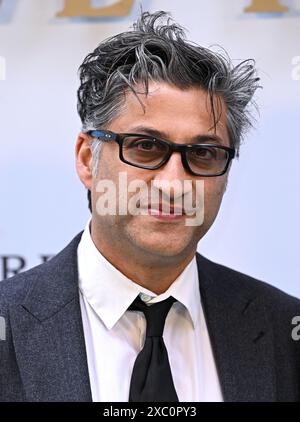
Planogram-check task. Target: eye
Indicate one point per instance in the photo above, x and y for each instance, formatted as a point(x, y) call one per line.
point(146, 145)
point(204, 153)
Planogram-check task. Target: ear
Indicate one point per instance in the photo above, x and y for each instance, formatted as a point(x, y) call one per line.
point(84, 160)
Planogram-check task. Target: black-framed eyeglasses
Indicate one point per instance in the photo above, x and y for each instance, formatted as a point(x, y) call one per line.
point(151, 153)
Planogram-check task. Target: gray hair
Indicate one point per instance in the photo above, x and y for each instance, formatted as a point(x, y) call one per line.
point(158, 51)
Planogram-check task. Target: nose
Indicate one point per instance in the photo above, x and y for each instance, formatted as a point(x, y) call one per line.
point(173, 168)
point(173, 174)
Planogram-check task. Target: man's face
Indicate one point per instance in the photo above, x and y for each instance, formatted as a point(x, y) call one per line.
point(179, 116)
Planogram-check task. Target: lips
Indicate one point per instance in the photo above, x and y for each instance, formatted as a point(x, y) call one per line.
point(163, 209)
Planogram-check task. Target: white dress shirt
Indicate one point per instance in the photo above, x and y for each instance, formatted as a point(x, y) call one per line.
point(115, 336)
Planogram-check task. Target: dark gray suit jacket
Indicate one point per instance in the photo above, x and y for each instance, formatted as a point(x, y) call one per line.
point(43, 357)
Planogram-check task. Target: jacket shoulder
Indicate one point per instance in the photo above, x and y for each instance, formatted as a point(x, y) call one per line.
point(14, 289)
point(241, 283)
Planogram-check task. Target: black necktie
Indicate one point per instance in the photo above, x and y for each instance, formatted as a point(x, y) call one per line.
point(151, 379)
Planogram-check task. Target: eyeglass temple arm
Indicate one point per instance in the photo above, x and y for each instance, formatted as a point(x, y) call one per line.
point(103, 135)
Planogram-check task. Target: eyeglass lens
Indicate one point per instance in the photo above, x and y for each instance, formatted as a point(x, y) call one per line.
point(152, 152)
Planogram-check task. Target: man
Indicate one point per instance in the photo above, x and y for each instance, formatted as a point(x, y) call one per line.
point(129, 310)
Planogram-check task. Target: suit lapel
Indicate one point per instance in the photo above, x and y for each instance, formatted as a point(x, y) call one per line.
point(48, 334)
point(240, 334)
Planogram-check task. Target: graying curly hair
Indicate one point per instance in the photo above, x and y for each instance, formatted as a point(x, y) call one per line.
point(156, 50)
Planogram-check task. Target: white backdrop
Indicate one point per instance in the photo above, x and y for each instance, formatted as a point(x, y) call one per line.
point(43, 204)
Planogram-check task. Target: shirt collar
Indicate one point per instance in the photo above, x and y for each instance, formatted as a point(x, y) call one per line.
point(185, 289)
point(109, 292)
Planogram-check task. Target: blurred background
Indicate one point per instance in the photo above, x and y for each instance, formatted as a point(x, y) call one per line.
point(43, 204)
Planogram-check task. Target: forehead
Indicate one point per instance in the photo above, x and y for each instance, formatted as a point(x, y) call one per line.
point(174, 111)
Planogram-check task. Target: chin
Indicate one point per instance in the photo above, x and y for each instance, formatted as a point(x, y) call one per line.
point(159, 244)
point(164, 250)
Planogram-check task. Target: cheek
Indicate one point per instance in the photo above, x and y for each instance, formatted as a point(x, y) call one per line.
point(213, 191)
point(118, 177)
point(108, 163)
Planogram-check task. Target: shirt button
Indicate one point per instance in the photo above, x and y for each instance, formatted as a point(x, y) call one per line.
point(145, 298)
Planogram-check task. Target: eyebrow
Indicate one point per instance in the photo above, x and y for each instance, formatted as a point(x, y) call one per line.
point(197, 139)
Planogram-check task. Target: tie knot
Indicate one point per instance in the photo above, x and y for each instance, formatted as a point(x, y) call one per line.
point(155, 314)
